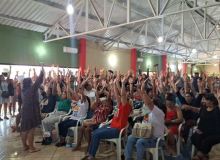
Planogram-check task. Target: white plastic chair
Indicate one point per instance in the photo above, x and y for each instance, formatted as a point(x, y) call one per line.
point(76, 128)
point(117, 141)
point(179, 138)
point(193, 147)
point(155, 150)
point(60, 119)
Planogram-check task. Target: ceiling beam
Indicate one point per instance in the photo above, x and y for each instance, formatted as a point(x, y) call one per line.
point(11, 18)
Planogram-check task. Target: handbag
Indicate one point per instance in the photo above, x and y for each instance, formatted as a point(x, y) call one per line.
point(143, 130)
point(5, 94)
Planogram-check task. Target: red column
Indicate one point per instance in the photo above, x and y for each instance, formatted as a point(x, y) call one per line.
point(184, 67)
point(164, 61)
point(82, 55)
point(133, 59)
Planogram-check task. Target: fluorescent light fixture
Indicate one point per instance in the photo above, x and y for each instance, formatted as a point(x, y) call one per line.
point(215, 64)
point(215, 56)
point(70, 9)
point(194, 50)
point(160, 39)
point(140, 59)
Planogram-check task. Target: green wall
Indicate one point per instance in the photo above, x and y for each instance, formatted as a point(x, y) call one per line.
point(148, 58)
point(19, 46)
point(197, 70)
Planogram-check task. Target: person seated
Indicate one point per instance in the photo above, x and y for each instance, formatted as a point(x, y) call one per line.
point(119, 121)
point(154, 116)
point(63, 108)
point(189, 116)
point(103, 108)
point(49, 102)
point(173, 118)
point(79, 112)
point(88, 90)
point(208, 132)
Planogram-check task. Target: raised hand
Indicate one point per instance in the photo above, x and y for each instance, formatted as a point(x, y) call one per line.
point(191, 80)
point(139, 66)
point(217, 94)
point(143, 85)
point(124, 79)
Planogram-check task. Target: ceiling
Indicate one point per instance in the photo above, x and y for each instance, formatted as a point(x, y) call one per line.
point(147, 23)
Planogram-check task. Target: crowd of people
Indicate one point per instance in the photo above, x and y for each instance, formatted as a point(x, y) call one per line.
point(163, 99)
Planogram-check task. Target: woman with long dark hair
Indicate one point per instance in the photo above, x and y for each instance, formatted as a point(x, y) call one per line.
point(208, 132)
point(30, 112)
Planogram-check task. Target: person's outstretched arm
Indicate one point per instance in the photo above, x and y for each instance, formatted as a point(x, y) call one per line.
point(39, 80)
point(123, 91)
point(116, 91)
point(146, 99)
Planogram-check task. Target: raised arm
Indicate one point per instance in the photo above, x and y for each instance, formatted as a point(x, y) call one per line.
point(217, 96)
point(146, 99)
point(200, 71)
point(116, 91)
point(191, 71)
point(54, 88)
point(9, 73)
point(131, 87)
point(29, 73)
point(123, 91)
point(177, 70)
point(97, 94)
point(68, 88)
point(192, 86)
point(39, 80)
point(139, 69)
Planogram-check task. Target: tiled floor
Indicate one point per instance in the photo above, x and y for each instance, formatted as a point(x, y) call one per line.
point(11, 148)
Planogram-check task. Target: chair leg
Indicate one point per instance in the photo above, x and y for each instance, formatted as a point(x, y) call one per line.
point(155, 154)
point(162, 154)
point(193, 151)
point(178, 146)
point(111, 144)
point(56, 128)
point(118, 144)
point(75, 135)
point(147, 155)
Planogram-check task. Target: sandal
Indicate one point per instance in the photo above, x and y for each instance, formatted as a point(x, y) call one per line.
point(6, 118)
point(1, 119)
point(35, 150)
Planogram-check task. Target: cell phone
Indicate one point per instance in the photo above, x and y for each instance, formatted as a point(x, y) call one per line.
point(198, 131)
point(108, 127)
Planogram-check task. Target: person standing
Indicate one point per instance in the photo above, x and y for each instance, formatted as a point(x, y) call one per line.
point(30, 112)
point(4, 100)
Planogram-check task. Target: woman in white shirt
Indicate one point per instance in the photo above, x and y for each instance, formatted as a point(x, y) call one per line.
point(154, 116)
point(79, 111)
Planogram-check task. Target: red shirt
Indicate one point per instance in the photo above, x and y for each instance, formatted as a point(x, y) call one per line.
point(101, 113)
point(121, 115)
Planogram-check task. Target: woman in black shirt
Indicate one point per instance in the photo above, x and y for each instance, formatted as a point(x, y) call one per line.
point(208, 132)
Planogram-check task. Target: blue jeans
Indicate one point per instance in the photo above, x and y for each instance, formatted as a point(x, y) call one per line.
point(101, 133)
point(64, 125)
point(142, 144)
